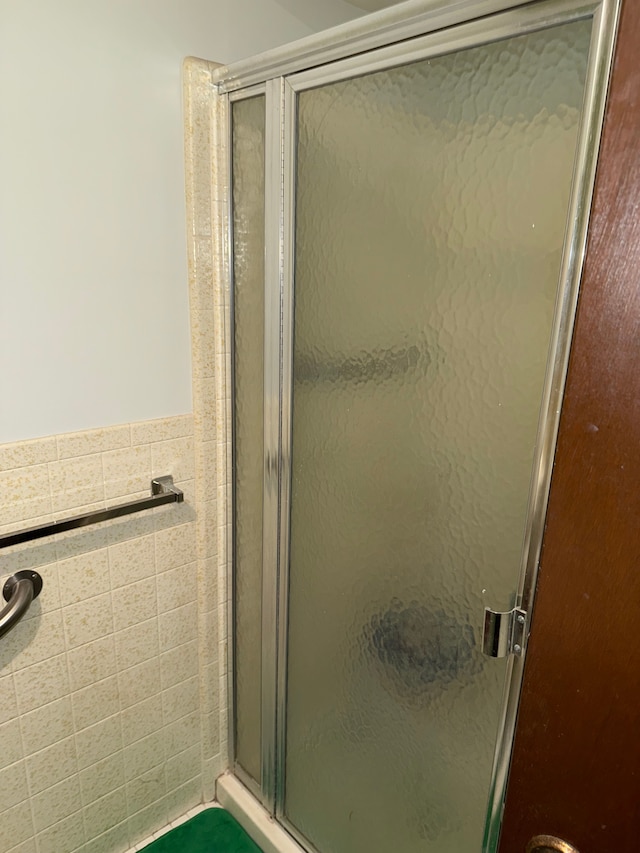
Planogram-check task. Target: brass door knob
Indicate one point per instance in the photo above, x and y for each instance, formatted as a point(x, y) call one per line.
point(549, 844)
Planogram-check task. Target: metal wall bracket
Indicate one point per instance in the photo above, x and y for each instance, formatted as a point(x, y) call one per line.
point(504, 633)
point(19, 591)
point(164, 486)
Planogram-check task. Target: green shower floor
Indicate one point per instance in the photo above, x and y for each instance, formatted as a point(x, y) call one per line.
point(210, 831)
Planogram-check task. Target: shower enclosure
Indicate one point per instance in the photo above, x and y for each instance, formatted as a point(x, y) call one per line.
point(408, 213)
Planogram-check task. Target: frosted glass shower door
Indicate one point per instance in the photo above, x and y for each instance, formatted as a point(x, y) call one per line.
point(431, 205)
point(248, 124)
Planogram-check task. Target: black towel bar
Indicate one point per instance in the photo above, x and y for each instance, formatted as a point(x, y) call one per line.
point(162, 492)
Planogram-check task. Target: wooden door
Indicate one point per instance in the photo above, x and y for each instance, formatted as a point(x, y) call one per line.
point(575, 770)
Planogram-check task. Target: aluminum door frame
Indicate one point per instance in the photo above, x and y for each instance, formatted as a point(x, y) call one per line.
point(422, 29)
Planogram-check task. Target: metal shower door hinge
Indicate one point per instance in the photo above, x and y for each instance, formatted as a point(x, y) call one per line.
point(504, 633)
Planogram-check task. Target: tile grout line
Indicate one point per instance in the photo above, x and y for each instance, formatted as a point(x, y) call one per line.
point(120, 706)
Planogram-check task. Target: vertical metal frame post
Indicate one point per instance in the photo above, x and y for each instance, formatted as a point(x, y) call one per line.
point(288, 279)
point(226, 178)
point(272, 418)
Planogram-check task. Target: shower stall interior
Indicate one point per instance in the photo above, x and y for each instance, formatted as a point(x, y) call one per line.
point(407, 220)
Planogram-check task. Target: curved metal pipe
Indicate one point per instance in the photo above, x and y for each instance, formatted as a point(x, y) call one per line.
point(20, 590)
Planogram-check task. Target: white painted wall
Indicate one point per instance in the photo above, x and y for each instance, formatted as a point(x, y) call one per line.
point(93, 274)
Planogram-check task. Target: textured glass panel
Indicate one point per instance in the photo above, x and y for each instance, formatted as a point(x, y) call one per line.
point(431, 208)
point(248, 270)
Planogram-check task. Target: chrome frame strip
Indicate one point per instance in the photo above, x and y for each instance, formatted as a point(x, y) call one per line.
point(273, 284)
point(225, 178)
point(507, 25)
point(250, 92)
point(288, 273)
point(398, 23)
point(605, 25)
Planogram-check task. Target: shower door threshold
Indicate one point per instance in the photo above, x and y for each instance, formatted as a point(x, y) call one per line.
point(253, 817)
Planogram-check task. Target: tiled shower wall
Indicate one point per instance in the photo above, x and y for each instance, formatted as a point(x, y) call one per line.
point(109, 723)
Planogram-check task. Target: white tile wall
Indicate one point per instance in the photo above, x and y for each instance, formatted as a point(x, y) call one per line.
point(101, 700)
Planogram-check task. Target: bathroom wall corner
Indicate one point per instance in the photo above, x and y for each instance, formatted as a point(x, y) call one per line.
point(207, 193)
